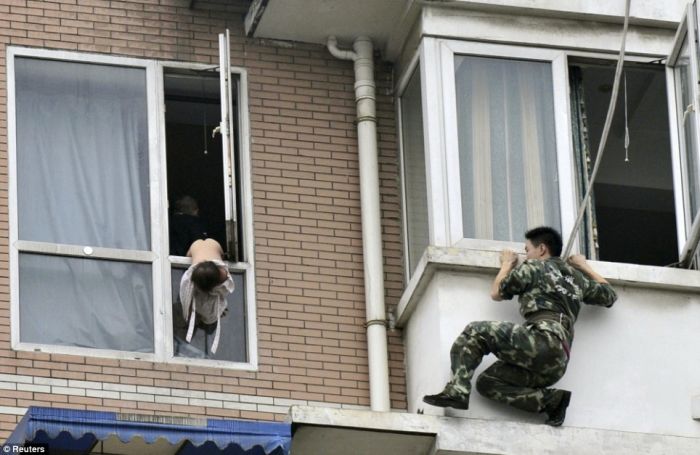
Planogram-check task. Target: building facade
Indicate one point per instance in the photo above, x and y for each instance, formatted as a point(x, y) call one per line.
point(133, 88)
point(362, 163)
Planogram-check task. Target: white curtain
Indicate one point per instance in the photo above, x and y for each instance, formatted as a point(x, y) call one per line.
point(82, 140)
point(82, 177)
point(507, 151)
point(85, 302)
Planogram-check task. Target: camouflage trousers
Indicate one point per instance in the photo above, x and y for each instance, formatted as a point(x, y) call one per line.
point(531, 358)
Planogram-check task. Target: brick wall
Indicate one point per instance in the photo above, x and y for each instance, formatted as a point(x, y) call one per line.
point(310, 296)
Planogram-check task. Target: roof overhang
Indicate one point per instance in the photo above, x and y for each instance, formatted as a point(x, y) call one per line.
point(386, 22)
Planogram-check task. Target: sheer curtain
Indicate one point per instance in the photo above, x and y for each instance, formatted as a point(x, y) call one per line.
point(82, 139)
point(508, 168)
point(82, 179)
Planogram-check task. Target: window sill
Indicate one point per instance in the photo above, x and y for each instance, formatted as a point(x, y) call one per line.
point(125, 355)
point(486, 261)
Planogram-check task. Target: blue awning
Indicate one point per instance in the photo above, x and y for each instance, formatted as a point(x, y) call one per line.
point(77, 431)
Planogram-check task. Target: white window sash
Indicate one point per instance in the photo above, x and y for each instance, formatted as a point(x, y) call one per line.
point(157, 256)
point(444, 63)
point(688, 228)
point(439, 117)
point(17, 246)
point(246, 243)
point(59, 249)
point(226, 130)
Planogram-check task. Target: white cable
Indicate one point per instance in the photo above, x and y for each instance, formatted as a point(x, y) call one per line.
point(604, 137)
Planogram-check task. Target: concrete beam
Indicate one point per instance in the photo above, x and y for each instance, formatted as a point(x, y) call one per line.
point(319, 431)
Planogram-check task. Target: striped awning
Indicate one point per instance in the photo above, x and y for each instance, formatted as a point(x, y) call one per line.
point(80, 432)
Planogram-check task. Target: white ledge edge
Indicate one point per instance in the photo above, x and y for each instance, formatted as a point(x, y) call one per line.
point(486, 261)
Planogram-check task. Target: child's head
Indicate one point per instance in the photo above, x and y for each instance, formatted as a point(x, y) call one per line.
point(187, 205)
point(206, 275)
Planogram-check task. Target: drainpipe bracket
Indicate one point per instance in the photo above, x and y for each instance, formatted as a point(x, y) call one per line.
point(367, 118)
point(383, 322)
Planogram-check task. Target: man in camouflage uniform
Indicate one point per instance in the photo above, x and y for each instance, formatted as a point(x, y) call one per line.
point(532, 356)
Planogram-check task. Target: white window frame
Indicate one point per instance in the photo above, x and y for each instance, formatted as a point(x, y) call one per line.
point(439, 96)
point(436, 57)
point(157, 256)
point(688, 228)
point(413, 66)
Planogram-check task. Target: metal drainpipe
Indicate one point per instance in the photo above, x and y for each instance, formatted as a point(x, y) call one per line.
point(363, 58)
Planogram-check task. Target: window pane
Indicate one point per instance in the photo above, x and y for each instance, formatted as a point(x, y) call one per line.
point(232, 341)
point(507, 151)
point(85, 302)
point(82, 154)
point(414, 170)
point(687, 124)
point(633, 201)
point(194, 160)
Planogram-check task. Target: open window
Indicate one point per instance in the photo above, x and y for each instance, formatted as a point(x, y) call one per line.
point(201, 133)
point(682, 69)
point(89, 229)
point(631, 215)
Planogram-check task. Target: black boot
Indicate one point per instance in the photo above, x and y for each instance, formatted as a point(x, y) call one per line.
point(557, 414)
point(444, 400)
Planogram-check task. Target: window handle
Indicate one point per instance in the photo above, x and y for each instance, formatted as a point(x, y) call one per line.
point(216, 131)
point(690, 108)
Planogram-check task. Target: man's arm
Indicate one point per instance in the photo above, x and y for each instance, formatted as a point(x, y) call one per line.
point(579, 262)
point(599, 292)
point(509, 259)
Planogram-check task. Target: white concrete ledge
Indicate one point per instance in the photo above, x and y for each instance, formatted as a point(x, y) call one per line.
point(582, 33)
point(486, 261)
point(455, 436)
point(651, 12)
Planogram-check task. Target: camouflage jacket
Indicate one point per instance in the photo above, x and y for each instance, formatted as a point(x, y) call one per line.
point(554, 285)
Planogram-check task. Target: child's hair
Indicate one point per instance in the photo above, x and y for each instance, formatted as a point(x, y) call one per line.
point(206, 275)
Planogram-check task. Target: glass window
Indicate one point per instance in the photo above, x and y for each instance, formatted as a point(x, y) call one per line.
point(507, 150)
point(86, 302)
point(82, 154)
point(687, 125)
point(83, 179)
point(416, 203)
point(635, 187)
point(88, 241)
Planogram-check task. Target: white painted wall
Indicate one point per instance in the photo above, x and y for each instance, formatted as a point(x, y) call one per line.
point(634, 367)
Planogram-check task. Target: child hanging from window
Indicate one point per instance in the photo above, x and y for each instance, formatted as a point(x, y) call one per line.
point(204, 287)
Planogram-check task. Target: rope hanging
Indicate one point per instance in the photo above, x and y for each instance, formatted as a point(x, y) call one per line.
point(604, 137)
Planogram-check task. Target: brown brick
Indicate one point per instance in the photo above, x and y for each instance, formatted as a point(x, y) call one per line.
point(309, 285)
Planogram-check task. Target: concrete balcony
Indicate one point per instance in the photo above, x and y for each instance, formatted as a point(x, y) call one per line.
point(323, 431)
point(634, 368)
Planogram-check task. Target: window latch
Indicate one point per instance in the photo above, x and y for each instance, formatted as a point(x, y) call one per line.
point(215, 131)
point(690, 108)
